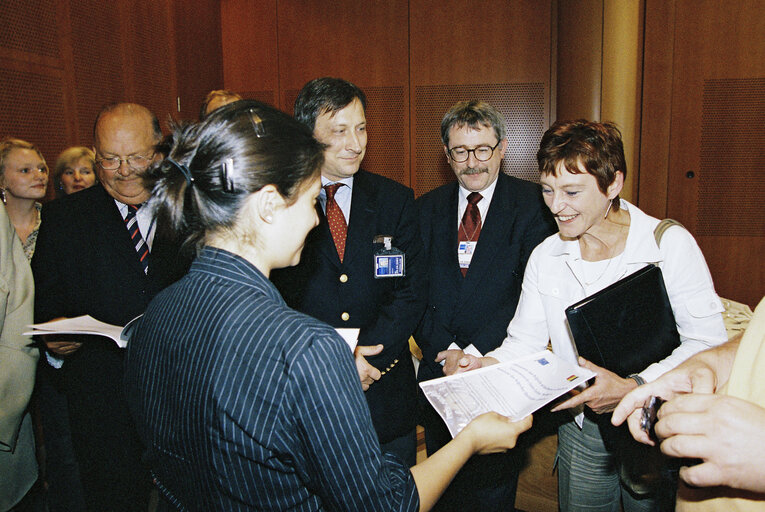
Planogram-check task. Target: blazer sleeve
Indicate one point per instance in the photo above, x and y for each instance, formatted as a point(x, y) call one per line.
point(18, 358)
point(539, 226)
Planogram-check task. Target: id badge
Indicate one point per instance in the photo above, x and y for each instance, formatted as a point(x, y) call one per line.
point(465, 252)
point(389, 261)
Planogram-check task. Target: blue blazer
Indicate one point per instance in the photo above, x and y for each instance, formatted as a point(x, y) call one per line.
point(386, 310)
point(476, 308)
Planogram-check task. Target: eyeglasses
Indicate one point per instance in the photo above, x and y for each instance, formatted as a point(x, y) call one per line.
point(482, 153)
point(134, 162)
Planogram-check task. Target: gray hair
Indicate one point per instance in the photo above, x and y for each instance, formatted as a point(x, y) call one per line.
point(473, 114)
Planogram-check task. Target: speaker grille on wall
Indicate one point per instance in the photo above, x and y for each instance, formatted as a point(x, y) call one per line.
point(522, 105)
point(32, 111)
point(150, 42)
point(26, 26)
point(98, 67)
point(731, 198)
point(386, 121)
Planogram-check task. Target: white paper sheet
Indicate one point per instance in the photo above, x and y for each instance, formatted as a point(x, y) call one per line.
point(514, 389)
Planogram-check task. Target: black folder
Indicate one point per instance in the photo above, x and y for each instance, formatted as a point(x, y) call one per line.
point(626, 326)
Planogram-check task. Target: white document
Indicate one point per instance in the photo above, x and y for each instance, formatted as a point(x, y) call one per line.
point(514, 389)
point(80, 325)
point(351, 336)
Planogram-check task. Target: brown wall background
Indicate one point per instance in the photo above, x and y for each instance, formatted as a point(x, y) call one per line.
point(699, 82)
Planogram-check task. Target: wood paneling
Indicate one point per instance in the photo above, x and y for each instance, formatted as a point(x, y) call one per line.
point(63, 60)
point(199, 52)
point(580, 58)
point(249, 41)
point(365, 43)
point(507, 62)
point(656, 107)
point(714, 168)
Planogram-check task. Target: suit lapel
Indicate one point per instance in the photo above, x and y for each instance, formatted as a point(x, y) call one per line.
point(114, 233)
point(362, 225)
point(495, 230)
point(321, 240)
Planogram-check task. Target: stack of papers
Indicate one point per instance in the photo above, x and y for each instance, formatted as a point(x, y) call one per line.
point(84, 325)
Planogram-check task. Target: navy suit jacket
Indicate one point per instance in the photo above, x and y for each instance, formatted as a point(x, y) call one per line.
point(86, 263)
point(478, 307)
point(387, 310)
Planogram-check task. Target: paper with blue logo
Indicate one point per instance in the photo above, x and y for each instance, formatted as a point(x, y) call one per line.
point(514, 388)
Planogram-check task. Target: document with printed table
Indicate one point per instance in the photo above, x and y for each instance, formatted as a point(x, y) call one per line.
point(514, 388)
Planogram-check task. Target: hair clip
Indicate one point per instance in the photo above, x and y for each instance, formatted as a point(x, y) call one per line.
point(228, 172)
point(183, 169)
point(257, 123)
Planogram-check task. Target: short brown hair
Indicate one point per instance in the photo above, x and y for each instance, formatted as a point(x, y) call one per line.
point(596, 146)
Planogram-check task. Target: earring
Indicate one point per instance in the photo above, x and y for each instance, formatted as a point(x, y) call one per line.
point(609, 208)
point(2, 195)
point(269, 218)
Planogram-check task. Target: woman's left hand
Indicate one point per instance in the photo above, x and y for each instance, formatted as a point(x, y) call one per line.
point(604, 394)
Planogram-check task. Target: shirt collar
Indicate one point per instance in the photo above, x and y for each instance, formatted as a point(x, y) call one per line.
point(486, 193)
point(640, 247)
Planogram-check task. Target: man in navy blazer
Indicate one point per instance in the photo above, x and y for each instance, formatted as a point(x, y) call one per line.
point(335, 282)
point(85, 262)
point(475, 269)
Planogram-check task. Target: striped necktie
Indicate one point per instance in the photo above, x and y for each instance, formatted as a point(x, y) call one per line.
point(135, 235)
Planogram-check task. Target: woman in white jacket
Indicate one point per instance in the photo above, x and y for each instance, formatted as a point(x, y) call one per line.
point(602, 239)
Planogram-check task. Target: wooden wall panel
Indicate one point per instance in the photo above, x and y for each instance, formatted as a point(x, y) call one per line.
point(249, 42)
point(366, 43)
point(656, 107)
point(150, 48)
point(506, 62)
point(199, 52)
point(580, 59)
point(716, 165)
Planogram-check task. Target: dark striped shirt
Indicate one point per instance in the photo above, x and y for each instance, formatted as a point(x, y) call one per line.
point(245, 404)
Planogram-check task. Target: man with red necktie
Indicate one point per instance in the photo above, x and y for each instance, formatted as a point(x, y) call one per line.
point(335, 280)
point(478, 233)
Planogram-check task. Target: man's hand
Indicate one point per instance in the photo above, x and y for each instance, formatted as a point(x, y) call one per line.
point(59, 347)
point(367, 373)
point(696, 375)
point(451, 360)
point(726, 433)
point(604, 394)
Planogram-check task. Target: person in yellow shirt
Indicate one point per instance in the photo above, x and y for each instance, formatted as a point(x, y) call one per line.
point(715, 412)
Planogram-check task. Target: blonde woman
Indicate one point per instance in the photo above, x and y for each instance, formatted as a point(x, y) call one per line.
point(23, 183)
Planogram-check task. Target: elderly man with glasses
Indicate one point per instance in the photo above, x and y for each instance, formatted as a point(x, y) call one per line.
point(478, 233)
point(100, 253)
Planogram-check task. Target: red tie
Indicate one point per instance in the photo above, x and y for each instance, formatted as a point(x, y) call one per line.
point(336, 219)
point(470, 228)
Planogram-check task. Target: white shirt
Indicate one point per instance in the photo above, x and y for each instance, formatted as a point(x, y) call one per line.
point(342, 196)
point(145, 220)
point(554, 279)
point(483, 204)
